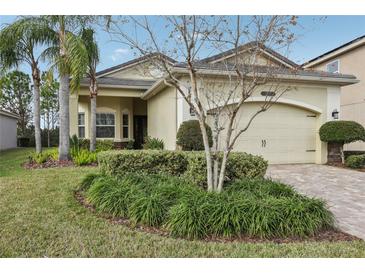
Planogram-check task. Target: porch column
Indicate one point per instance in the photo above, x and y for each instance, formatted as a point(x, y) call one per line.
point(74, 100)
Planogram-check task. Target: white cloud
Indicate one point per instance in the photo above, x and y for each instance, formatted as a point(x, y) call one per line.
point(118, 53)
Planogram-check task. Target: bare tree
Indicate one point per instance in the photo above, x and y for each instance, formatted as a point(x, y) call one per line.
point(216, 89)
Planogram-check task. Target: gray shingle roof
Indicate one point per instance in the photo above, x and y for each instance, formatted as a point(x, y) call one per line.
point(112, 81)
point(263, 69)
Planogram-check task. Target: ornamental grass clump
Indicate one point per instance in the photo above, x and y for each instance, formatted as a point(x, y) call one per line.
point(257, 207)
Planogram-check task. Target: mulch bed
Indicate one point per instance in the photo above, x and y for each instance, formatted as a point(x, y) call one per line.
point(51, 164)
point(328, 235)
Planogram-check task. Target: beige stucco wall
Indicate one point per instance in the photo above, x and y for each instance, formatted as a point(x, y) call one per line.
point(259, 59)
point(8, 138)
point(352, 96)
point(319, 100)
point(144, 71)
point(107, 104)
point(161, 113)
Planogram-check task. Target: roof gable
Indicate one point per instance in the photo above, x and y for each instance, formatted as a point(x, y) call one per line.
point(267, 55)
point(115, 71)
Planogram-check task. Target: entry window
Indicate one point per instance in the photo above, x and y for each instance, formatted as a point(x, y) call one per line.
point(105, 125)
point(81, 122)
point(333, 67)
point(125, 125)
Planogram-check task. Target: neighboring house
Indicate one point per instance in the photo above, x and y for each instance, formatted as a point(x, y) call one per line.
point(8, 130)
point(131, 103)
point(347, 58)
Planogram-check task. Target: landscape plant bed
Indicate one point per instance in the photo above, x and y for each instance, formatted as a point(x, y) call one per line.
point(247, 210)
point(330, 235)
point(52, 164)
point(48, 164)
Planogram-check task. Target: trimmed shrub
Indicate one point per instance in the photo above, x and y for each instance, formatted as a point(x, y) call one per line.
point(355, 161)
point(260, 208)
point(190, 165)
point(153, 143)
point(149, 161)
point(239, 165)
point(342, 132)
point(189, 136)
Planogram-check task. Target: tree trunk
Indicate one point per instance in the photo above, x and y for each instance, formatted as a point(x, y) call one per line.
point(222, 171)
point(64, 118)
point(93, 123)
point(48, 128)
point(93, 94)
point(208, 156)
point(37, 115)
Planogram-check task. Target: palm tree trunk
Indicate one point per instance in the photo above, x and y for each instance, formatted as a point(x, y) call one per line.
point(37, 115)
point(93, 124)
point(93, 93)
point(48, 128)
point(64, 118)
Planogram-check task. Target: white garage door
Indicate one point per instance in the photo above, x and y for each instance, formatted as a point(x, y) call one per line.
point(283, 134)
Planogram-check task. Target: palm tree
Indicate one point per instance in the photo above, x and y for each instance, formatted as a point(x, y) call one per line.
point(93, 59)
point(69, 56)
point(18, 42)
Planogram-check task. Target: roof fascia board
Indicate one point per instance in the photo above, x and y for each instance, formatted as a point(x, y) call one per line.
point(9, 114)
point(119, 86)
point(279, 76)
point(298, 78)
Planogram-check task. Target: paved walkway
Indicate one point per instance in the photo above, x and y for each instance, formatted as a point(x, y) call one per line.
point(343, 189)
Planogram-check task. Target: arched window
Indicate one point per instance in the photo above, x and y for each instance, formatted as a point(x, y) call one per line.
point(125, 124)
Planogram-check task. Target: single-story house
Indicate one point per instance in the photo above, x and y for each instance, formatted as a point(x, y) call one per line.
point(132, 104)
point(8, 130)
point(347, 58)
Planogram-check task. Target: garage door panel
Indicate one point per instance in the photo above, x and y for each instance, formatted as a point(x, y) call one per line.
point(289, 134)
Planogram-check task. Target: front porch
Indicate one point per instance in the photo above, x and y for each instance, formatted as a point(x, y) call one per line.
point(119, 118)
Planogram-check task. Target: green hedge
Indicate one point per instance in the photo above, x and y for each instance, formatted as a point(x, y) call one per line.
point(189, 136)
point(239, 165)
point(150, 161)
point(342, 132)
point(191, 165)
point(260, 208)
point(355, 161)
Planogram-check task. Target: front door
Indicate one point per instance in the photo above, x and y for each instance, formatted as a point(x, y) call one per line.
point(139, 130)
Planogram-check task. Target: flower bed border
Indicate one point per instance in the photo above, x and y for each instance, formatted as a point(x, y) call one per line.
point(53, 164)
point(332, 235)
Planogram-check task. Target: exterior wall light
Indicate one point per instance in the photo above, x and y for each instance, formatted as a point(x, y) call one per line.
point(335, 114)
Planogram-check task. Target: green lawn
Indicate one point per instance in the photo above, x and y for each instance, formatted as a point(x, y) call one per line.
point(41, 218)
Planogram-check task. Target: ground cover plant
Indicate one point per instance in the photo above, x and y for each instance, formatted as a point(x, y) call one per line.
point(80, 154)
point(247, 207)
point(40, 217)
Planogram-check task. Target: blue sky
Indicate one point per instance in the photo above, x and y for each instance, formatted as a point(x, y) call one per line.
point(316, 35)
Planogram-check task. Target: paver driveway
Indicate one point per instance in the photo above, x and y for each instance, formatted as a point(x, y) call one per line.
point(343, 189)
